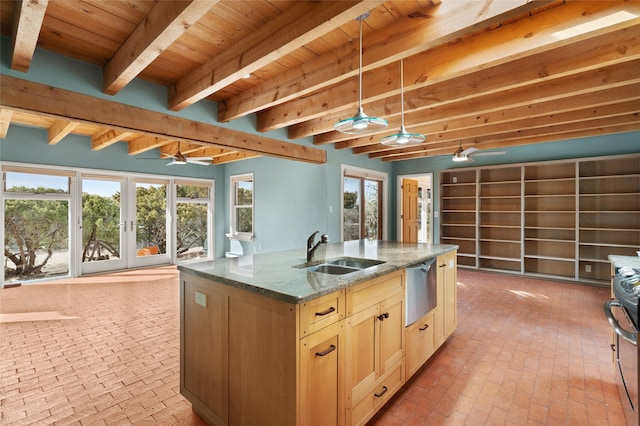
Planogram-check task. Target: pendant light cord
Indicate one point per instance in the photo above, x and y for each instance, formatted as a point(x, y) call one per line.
point(401, 94)
point(360, 68)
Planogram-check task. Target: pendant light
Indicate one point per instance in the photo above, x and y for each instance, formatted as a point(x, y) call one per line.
point(402, 137)
point(360, 123)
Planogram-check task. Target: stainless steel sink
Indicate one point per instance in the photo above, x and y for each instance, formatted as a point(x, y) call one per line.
point(354, 262)
point(326, 268)
point(340, 265)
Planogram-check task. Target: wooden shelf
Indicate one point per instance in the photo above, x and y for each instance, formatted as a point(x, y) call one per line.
point(559, 218)
point(550, 267)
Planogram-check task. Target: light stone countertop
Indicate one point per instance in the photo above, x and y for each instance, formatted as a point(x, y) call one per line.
point(275, 274)
point(630, 261)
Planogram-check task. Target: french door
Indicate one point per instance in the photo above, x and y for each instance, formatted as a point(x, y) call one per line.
point(125, 223)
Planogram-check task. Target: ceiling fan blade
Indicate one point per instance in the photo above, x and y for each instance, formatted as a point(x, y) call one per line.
point(201, 163)
point(469, 151)
point(198, 158)
point(487, 153)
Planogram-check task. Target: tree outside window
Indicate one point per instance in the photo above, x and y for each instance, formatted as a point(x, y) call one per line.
point(242, 205)
point(362, 199)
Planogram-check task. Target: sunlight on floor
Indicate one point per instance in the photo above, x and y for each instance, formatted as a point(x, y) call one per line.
point(34, 316)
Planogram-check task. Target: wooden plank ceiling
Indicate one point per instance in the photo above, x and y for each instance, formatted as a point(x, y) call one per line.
point(485, 74)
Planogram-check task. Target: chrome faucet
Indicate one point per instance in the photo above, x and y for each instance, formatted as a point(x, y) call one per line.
point(312, 248)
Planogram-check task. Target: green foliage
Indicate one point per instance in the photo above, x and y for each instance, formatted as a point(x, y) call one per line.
point(33, 226)
point(191, 226)
point(100, 227)
point(350, 199)
point(151, 204)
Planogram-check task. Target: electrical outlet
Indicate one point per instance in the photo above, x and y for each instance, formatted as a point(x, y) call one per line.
point(587, 268)
point(201, 299)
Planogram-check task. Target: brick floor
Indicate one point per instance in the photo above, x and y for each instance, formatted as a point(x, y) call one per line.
point(105, 350)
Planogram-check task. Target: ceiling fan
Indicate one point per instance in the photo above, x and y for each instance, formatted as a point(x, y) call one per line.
point(179, 158)
point(465, 154)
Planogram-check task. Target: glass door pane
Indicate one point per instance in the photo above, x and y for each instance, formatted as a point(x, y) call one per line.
point(372, 228)
point(102, 226)
point(150, 224)
point(351, 209)
point(193, 202)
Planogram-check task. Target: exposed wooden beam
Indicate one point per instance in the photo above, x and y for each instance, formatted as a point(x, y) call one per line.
point(531, 139)
point(22, 95)
point(146, 143)
point(389, 45)
point(604, 103)
point(107, 137)
point(164, 24)
point(295, 27)
point(5, 121)
point(231, 157)
point(317, 113)
point(59, 130)
point(27, 21)
point(619, 46)
point(593, 87)
point(210, 152)
point(416, 33)
point(614, 114)
point(185, 147)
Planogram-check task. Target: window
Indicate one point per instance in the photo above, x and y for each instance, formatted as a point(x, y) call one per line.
point(36, 212)
point(242, 207)
point(363, 204)
point(193, 207)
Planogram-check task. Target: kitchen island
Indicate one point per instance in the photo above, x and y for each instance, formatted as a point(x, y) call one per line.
point(267, 340)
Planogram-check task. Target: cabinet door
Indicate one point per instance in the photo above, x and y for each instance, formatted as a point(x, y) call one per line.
point(363, 355)
point(204, 348)
point(450, 294)
point(322, 377)
point(391, 323)
point(420, 343)
point(438, 320)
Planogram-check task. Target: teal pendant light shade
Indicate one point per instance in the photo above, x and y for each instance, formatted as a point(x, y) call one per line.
point(360, 123)
point(403, 137)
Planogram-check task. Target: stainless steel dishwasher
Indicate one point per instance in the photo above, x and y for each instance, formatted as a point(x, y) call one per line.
point(420, 290)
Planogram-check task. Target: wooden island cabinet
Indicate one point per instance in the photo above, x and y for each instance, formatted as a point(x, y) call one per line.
point(251, 359)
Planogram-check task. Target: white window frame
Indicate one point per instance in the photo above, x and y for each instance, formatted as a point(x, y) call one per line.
point(346, 170)
point(62, 196)
point(233, 233)
point(210, 210)
point(75, 200)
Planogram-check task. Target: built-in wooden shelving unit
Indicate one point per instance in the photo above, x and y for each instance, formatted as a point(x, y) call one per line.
point(500, 221)
point(458, 208)
point(609, 214)
point(557, 219)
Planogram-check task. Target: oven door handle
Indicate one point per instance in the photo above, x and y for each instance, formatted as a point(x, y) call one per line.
point(626, 335)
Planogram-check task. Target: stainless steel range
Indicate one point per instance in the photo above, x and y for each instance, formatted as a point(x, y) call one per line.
point(622, 314)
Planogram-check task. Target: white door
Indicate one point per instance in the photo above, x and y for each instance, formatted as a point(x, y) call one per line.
point(125, 223)
point(103, 224)
point(149, 223)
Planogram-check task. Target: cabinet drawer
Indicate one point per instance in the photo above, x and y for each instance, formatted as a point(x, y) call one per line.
point(420, 343)
point(321, 312)
point(385, 387)
point(374, 291)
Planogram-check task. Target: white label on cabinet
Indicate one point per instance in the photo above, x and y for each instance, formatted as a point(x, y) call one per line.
point(201, 299)
point(451, 264)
